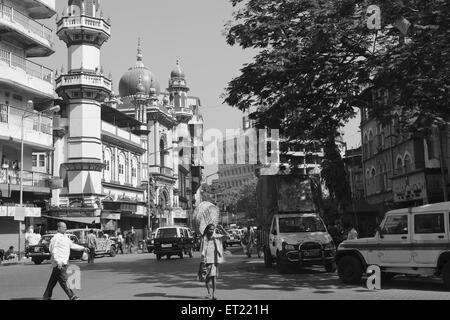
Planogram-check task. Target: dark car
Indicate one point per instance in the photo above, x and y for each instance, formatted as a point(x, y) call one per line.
point(41, 251)
point(171, 241)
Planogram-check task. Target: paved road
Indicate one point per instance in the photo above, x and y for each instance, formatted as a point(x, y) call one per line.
point(140, 276)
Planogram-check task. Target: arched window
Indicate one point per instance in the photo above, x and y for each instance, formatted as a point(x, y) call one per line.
point(184, 100)
point(399, 165)
point(366, 145)
point(134, 179)
point(107, 162)
point(121, 168)
point(162, 152)
point(371, 151)
point(407, 162)
point(373, 173)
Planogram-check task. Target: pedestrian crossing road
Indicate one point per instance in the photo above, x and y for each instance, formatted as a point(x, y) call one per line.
point(141, 276)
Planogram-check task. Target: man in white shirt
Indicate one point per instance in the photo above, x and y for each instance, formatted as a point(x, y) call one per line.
point(31, 238)
point(60, 246)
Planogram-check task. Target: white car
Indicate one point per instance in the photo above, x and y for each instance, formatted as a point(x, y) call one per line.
point(412, 241)
point(301, 240)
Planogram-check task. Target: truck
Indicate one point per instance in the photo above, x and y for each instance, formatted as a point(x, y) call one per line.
point(292, 232)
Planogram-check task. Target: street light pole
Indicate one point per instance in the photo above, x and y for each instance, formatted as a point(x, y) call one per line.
point(53, 109)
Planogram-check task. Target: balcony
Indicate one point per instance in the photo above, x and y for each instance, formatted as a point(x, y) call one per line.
point(184, 114)
point(95, 29)
point(30, 76)
point(163, 171)
point(38, 129)
point(32, 181)
point(36, 37)
point(84, 79)
point(40, 9)
point(121, 137)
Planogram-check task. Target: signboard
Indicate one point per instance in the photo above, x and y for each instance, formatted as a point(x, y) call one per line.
point(55, 183)
point(20, 214)
point(179, 213)
point(110, 216)
point(409, 188)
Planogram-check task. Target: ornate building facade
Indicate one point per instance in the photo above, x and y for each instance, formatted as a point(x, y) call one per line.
point(127, 160)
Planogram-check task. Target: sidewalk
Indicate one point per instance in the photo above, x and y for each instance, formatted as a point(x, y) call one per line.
point(16, 262)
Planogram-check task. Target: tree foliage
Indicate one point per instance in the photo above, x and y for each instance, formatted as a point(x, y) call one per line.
point(317, 58)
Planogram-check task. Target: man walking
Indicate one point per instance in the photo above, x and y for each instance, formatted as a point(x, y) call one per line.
point(92, 245)
point(129, 242)
point(120, 243)
point(60, 247)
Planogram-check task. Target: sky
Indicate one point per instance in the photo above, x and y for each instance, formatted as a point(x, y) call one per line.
point(191, 31)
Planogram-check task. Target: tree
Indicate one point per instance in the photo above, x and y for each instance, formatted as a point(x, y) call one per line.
point(248, 201)
point(416, 66)
point(310, 68)
point(317, 58)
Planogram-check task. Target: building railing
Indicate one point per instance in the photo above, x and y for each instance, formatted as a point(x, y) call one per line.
point(33, 69)
point(38, 122)
point(29, 24)
point(162, 170)
point(107, 127)
point(89, 79)
point(184, 111)
point(90, 22)
point(30, 179)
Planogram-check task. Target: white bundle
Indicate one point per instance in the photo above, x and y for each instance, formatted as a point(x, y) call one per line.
point(206, 213)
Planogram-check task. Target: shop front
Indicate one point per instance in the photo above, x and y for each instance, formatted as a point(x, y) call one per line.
point(9, 225)
point(180, 217)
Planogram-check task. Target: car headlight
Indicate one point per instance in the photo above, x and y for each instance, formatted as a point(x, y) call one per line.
point(329, 246)
point(288, 247)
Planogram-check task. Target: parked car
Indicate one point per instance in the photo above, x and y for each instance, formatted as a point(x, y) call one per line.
point(171, 241)
point(41, 252)
point(106, 246)
point(411, 241)
point(234, 237)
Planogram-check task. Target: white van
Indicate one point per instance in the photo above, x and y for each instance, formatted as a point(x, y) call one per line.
point(299, 239)
point(409, 241)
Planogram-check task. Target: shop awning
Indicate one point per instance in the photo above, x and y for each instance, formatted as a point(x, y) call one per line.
point(87, 220)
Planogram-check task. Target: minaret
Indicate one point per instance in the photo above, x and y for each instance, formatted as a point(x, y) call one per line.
point(83, 89)
point(178, 92)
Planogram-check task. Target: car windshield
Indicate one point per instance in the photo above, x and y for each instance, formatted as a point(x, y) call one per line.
point(301, 224)
point(167, 233)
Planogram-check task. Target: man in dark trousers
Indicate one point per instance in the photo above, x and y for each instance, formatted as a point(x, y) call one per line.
point(60, 247)
point(92, 245)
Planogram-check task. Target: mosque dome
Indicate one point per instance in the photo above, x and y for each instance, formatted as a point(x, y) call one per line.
point(138, 79)
point(177, 72)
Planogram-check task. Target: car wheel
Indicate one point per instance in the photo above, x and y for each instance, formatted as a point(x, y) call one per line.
point(37, 261)
point(191, 253)
point(330, 267)
point(446, 274)
point(168, 256)
point(158, 257)
point(281, 266)
point(181, 255)
point(267, 258)
point(112, 251)
point(350, 270)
